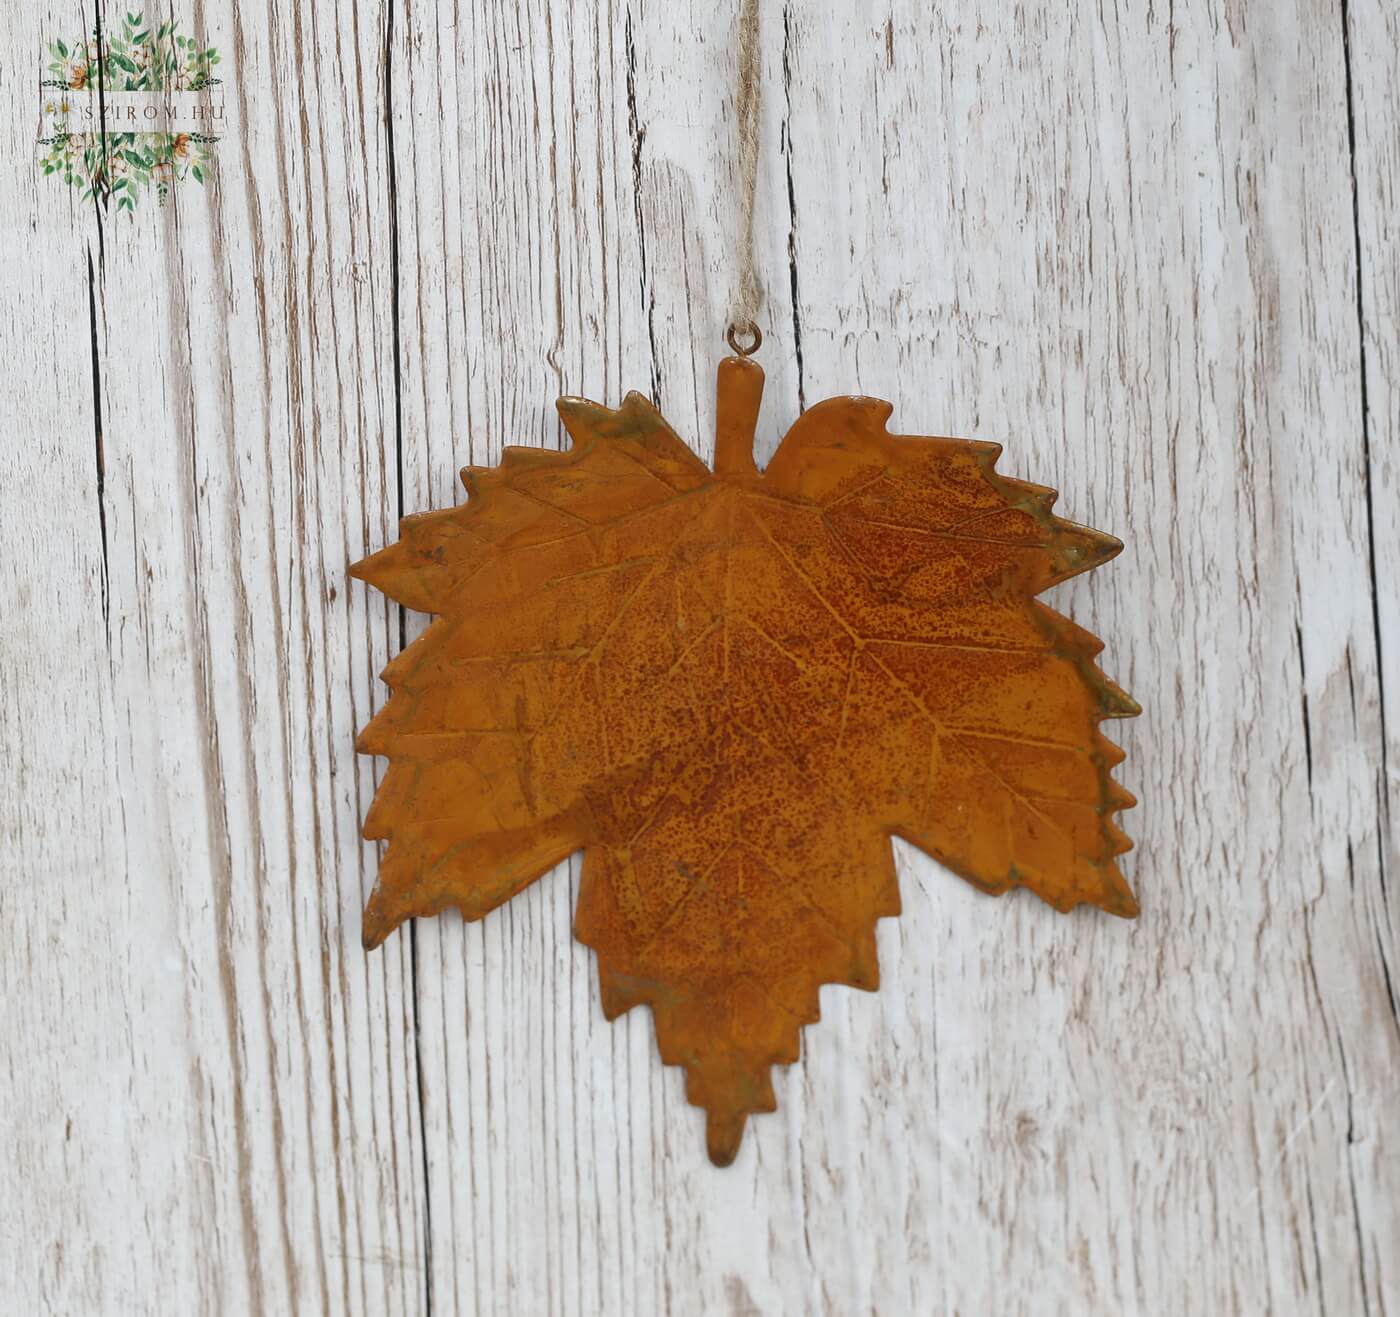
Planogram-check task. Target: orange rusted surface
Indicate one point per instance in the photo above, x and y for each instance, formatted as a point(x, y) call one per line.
point(729, 690)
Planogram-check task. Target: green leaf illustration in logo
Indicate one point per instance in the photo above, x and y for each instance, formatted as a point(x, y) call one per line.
point(121, 166)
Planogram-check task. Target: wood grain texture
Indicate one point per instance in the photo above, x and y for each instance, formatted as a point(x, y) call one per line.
point(1148, 248)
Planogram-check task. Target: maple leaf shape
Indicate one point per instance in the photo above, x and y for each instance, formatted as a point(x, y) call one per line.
point(730, 689)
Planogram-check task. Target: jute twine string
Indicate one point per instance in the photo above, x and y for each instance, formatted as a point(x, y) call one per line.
point(748, 294)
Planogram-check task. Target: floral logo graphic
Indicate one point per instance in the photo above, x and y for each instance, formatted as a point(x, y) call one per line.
point(130, 111)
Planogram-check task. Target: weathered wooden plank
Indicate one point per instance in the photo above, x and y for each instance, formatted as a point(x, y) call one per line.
point(1129, 277)
point(1106, 240)
point(1373, 105)
point(521, 281)
point(1149, 250)
point(214, 1092)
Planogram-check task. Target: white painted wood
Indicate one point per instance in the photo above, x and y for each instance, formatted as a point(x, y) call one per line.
point(1148, 248)
point(210, 1093)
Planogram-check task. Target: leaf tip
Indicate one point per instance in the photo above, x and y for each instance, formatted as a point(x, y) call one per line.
point(1116, 702)
point(1122, 902)
point(374, 739)
point(581, 416)
point(724, 1132)
point(372, 567)
point(372, 933)
point(1116, 897)
point(571, 406)
point(378, 921)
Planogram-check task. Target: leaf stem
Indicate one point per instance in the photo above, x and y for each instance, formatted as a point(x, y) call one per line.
point(738, 396)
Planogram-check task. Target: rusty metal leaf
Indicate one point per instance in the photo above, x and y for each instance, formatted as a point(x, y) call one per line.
point(730, 689)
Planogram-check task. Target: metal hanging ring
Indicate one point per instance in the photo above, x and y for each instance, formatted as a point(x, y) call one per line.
point(750, 331)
